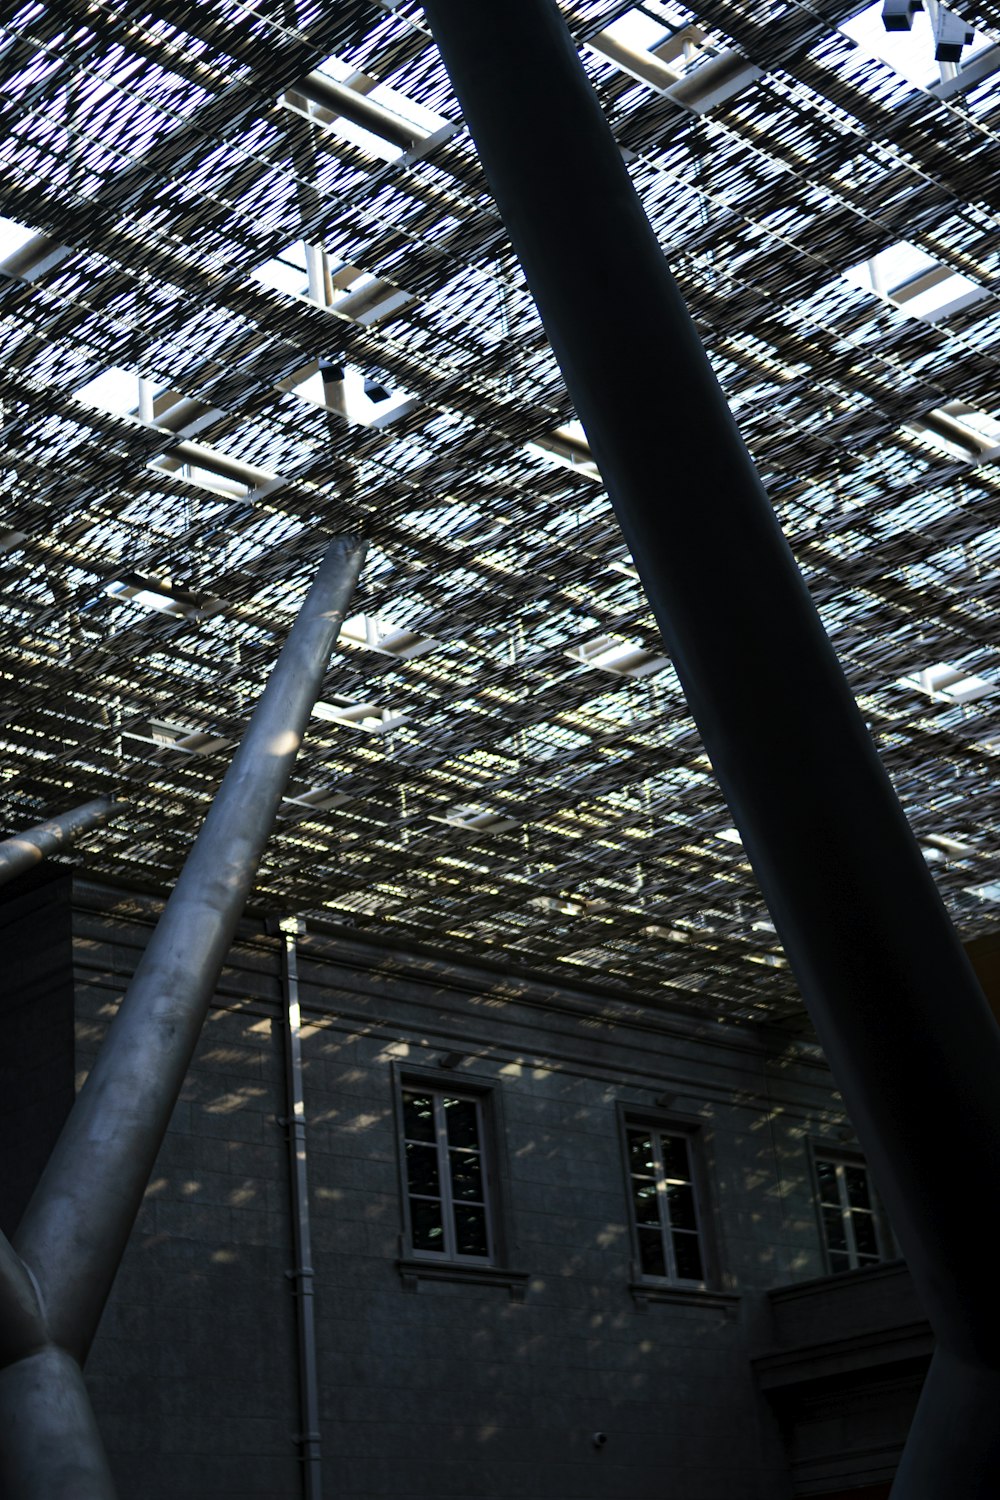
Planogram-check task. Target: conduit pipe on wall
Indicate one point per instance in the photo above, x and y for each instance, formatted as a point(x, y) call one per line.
point(77, 1224)
point(302, 1272)
point(906, 1029)
point(25, 850)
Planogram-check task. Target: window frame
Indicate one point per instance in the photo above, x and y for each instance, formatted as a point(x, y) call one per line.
point(645, 1286)
point(417, 1266)
point(842, 1156)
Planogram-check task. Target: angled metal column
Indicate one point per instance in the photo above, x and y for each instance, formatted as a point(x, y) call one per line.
point(25, 850)
point(907, 1031)
point(78, 1222)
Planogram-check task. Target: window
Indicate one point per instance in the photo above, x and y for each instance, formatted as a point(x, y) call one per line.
point(447, 1191)
point(454, 1182)
point(666, 1221)
point(849, 1213)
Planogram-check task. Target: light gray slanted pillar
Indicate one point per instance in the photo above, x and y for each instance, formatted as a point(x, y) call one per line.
point(25, 850)
point(77, 1224)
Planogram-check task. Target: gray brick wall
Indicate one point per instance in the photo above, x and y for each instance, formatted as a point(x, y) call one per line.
point(36, 1031)
point(452, 1389)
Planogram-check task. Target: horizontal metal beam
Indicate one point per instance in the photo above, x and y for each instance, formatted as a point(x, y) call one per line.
point(344, 101)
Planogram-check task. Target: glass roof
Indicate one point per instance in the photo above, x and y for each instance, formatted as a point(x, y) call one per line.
point(254, 293)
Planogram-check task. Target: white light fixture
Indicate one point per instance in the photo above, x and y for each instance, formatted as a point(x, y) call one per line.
point(370, 717)
point(477, 820)
point(376, 633)
point(620, 658)
point(947, 684)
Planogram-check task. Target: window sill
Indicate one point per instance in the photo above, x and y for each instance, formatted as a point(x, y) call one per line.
point(644, 1292)
point(412, 1272)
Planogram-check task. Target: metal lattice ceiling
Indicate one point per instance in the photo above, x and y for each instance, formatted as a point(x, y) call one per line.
point(238, 213)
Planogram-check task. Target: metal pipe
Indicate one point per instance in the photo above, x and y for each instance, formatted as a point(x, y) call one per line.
point(22, 1327)
point(302, 1272)
point(25, 850)
point(350, 105)
point(903, 1022)
point(221, 464)
point(77, 1224)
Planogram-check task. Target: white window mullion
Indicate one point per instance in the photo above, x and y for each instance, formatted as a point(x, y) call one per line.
point(664, 1205)
point(484, 1172)
point(444, 1175)
point(846, 1216)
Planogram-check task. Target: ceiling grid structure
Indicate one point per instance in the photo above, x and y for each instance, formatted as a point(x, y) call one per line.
point(254, 293)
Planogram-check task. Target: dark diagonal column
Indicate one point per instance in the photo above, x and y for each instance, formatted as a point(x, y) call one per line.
point(907, 1031)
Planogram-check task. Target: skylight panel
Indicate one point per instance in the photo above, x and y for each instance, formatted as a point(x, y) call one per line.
point(159, 596)
point(675, 60)
point(971, 71)
point(390, 98)
point(26, 254)
point(302, 270)
point(369, 299)
point(567, 447)
point(123, 392)
point(286, 271)
point(372, 115)
point(116, 390)
point(13, 237)
point(215, 471)
point(637, 31)
point(982, 426)
point(960, 431)
point(915, 282)
point(910, 51)
point(353, 395)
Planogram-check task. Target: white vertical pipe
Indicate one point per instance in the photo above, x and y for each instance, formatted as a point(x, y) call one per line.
point(302, 1273)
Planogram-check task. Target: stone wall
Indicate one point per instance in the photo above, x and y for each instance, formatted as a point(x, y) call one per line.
point(436, 1388)
point(36, 1031)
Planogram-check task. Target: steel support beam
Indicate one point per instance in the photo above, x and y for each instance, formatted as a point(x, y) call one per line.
point(25, 850)
point(904, 1024)
point(76, 1226)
